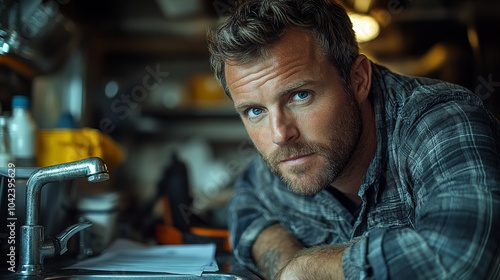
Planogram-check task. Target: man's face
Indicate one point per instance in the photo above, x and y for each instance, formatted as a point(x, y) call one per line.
point(297, 113)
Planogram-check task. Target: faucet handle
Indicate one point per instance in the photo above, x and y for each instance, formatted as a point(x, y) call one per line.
point(61, 240)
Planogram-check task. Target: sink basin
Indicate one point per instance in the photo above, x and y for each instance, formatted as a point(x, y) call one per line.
point(140, 275)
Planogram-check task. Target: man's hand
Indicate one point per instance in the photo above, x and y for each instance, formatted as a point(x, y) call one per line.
point(273, 248)
point(322, 262)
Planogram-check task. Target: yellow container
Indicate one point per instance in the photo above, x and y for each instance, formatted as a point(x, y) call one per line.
point(55, 146)
point(206, 91)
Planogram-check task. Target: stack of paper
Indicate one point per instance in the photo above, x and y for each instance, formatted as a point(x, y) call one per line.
point(126, 255)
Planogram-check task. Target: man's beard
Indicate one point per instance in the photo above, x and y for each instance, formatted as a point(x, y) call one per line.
point(337, 153)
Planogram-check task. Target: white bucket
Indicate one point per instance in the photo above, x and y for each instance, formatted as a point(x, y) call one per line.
point(102, 211)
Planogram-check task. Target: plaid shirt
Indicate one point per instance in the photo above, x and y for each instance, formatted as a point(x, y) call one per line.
point(430, 197)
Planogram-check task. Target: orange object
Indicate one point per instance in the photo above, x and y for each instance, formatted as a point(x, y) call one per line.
point(166, 234)
point(167, 215)
point(216, 233)
point(206, 91)
point(18, 66)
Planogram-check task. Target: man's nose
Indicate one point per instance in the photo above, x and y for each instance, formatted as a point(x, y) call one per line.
point(283, 128)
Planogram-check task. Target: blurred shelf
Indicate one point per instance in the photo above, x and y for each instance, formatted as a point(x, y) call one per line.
point(221, 111)
point(151, 45)
point(124, 57)
point(182, 126)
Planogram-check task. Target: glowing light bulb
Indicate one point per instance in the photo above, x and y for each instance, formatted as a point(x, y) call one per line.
point(365, 27)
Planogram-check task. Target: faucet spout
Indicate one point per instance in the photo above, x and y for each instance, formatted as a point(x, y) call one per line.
point(93, 168)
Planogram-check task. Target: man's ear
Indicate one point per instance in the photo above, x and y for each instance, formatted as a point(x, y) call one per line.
point(361, 78)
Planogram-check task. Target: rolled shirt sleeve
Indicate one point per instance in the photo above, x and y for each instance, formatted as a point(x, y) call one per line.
point(248, 214)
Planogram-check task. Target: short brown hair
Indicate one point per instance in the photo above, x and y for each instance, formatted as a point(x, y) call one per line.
point(254, 25)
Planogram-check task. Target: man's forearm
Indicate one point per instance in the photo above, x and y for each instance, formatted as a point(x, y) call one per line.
point(319, 263)
point(273, 248)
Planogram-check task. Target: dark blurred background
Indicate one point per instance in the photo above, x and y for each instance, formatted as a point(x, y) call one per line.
point(138, 71)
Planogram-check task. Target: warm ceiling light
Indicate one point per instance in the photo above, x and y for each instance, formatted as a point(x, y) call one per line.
point(365, 27)
point(362, 6)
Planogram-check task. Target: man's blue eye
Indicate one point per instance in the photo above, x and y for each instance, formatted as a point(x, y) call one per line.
point(254, 112)
point(301, 95)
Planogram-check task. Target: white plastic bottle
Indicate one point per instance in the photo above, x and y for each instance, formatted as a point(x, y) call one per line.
point(22, 130)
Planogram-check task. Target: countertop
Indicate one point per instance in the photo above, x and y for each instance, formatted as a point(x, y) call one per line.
point(226, 262)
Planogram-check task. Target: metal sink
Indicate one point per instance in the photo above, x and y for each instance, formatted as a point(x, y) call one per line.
point(114, 275)
point(229, 270)
point(141, 275)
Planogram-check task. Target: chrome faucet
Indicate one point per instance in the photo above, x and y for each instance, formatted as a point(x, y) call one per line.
point(34, 247)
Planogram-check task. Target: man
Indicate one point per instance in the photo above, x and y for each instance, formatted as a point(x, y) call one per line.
point(362, 173)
